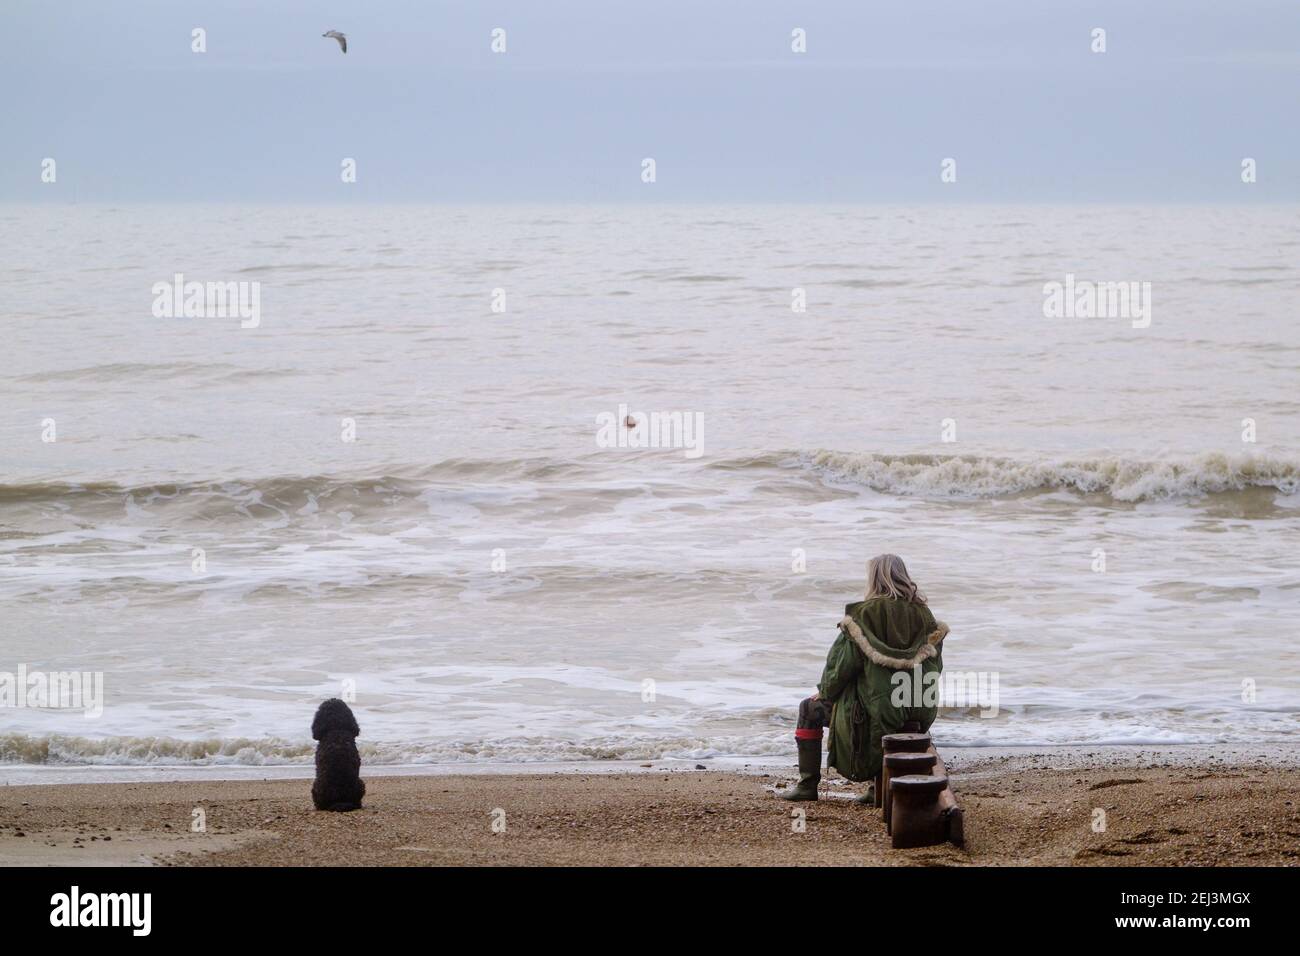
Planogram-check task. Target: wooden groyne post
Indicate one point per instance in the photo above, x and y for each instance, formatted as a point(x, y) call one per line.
point(917, 803)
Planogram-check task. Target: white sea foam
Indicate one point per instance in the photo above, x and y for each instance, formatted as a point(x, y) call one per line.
point(1063, 726)
point(1122, 479)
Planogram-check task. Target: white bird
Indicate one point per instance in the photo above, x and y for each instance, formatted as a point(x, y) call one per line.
point(335, 35)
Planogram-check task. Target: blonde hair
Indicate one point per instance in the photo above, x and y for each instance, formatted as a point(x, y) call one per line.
point(887, 577)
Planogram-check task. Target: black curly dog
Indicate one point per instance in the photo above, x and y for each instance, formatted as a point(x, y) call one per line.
point(338, 783)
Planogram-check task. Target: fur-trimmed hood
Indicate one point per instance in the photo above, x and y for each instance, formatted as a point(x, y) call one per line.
point(885, 656)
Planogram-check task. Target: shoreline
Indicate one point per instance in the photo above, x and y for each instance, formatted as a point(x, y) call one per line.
point(1166, 806)
point(1060, 756)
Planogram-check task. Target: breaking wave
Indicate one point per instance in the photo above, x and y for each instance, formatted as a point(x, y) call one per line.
point(927, 476)
point(398, 482)
point(1122, 479)
point(1016, 724)
point(72, 750)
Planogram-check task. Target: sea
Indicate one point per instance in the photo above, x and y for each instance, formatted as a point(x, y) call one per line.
point(592, 483)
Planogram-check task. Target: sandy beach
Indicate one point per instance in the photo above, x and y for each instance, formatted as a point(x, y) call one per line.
point(1174, 807)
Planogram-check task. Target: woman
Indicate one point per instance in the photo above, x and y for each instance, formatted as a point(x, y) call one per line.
point(859, 696)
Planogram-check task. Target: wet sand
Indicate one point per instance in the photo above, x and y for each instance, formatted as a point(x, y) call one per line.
point(1174, 807)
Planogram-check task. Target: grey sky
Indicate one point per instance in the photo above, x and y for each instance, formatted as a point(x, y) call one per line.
point(709, 88)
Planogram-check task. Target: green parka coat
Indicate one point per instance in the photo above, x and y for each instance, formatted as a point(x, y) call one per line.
point(879, 638)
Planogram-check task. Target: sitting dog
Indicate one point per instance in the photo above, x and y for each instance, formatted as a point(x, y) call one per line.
point(338, 783)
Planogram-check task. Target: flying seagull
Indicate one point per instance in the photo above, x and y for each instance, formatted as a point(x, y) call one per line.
point(335, 35)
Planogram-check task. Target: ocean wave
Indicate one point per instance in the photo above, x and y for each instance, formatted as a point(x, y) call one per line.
point(1121, 479)
point(928, 476)
point(1014, 726)
point(72, 750)
point(407, 480)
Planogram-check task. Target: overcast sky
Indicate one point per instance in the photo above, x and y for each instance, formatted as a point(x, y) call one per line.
point(709, 88)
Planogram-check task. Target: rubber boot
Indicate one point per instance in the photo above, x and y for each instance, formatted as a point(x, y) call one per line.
point(810, 771)
point(868, 799)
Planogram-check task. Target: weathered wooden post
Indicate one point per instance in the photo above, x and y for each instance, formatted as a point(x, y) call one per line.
point(911, 743)
point(905, 765)
point(933, 815)
point(952, 815)
point(919, 817)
